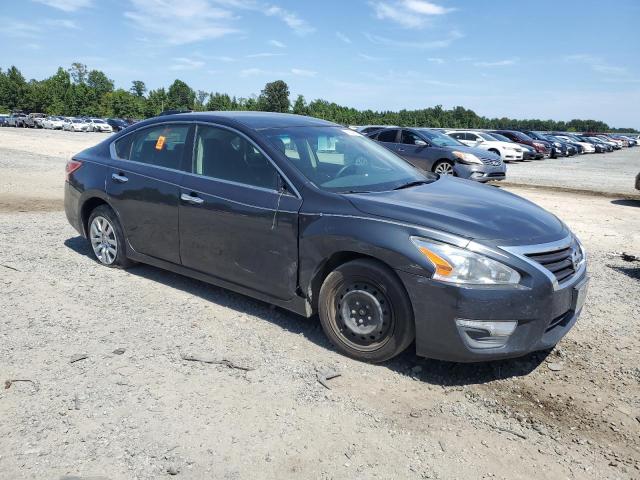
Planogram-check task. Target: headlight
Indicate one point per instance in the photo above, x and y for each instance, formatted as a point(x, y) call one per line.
point(457, 265)
point(466, 157)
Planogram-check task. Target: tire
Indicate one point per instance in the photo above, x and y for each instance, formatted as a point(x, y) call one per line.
point(443, 166)
point(363, 287)
point(114, 238)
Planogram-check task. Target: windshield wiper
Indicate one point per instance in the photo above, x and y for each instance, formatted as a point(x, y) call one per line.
point(354, 191)
point(411, 184)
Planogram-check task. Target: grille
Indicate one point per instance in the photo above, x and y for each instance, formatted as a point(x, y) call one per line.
point(560, 262)
point(491, 161)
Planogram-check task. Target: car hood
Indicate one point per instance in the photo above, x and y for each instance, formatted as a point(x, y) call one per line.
point(466, 209)
point(478, 152)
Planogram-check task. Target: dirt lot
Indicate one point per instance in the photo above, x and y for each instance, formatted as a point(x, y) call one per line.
point(143, 412)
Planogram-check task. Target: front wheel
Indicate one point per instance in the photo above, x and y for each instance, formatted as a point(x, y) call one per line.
point(444, 167)
point(107, 238)
point(365, 311)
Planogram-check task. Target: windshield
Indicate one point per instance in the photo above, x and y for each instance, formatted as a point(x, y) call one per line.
point(486, 136)
point(340, 160)
point(97, 120)
point(502, 138)
point(439, 139)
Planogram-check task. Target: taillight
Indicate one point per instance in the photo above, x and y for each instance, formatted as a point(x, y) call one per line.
point(72, 166)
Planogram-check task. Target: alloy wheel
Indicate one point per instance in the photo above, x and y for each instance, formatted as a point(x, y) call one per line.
point(103, 240)
point(444, 168)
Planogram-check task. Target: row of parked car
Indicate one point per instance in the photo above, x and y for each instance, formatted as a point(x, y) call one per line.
point(57, 122)
point(481, 154)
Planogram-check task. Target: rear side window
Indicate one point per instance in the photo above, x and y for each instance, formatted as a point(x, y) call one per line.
point(162, 146)
point(410, 138)
point(387, 136)
point(226, 155)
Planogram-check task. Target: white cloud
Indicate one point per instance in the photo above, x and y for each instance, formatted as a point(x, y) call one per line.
point(252, 72)
point(181, 22)
point(66, 5)
point(18, 29)
point(498, 63)
point(425, 45)
point(62, 23)
point(369, 58)
point(277, 44)
point(408, 13)
point(439, 61)
point(343, 37)
point(184, 63)
point(297, 24)
point(264, 55)
point(303, 73)
point(597, 64)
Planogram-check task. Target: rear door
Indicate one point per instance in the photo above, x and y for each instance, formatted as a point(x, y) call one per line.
point(143, 185)
point(389, 138)
point(236, 223)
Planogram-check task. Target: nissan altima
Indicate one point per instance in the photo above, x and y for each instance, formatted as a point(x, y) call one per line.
point(320, 220)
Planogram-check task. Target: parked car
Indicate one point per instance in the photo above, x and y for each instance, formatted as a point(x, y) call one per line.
point(638, 181)
point(508, 151)
point(436, 152)
point(587, 147)
point(368, 129)
point(76, 125)
point(117, 124)
point(16, 119)
point(542, 148)
point(98, 125)
point(53, 123)
point(318, 219)
point(33, 119)
point(607, 147)
point(605, 140)
point(4, 120)
point(556, 147)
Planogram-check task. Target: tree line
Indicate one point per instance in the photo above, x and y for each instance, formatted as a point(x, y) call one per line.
point(78, 91)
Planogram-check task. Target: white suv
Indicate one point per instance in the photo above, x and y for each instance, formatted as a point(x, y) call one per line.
point(508, 151)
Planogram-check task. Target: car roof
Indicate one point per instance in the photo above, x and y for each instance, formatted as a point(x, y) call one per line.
point(252, 120)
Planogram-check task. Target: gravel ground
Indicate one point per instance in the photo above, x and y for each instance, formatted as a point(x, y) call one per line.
point(134, 408)
point(610, 173)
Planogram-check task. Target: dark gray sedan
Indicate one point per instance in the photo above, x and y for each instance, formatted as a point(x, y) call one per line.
point(433, 151)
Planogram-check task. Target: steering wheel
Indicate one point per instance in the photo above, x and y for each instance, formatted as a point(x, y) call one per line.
point(358, 162)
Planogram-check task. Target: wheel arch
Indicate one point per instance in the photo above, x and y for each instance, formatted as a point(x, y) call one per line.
point(89, 204)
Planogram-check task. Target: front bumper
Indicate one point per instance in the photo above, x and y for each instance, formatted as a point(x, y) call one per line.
point(481, 172)
point(544, 316)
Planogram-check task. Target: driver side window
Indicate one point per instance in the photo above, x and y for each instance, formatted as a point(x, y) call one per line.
point(410, 138)
point(226, 155)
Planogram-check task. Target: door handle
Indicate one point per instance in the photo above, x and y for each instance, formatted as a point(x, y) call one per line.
point(401, 149)
point(116, 177)
point(193, 200)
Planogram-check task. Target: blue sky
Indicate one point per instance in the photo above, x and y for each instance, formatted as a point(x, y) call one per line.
point(539, 59)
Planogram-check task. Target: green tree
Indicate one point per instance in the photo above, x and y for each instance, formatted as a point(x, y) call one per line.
point(300, 106)
point(275, 97)
point(180, 96)
point(78, 72)
point(138, 88)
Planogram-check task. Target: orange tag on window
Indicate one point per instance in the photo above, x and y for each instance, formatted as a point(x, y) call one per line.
point(160, 142)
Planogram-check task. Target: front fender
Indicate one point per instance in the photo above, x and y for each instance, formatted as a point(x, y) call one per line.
point(324, 237)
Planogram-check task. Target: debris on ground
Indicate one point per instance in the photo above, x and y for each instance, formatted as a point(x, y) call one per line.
point(119, 351)
point(77, 357)
point(224, 361)
point(8, 383)
point(326, 375)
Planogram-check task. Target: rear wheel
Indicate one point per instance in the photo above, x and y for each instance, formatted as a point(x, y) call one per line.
point(365, 311)
point(107, 238)
point(444, 167)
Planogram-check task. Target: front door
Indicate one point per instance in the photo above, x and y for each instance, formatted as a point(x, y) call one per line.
point(236, 223)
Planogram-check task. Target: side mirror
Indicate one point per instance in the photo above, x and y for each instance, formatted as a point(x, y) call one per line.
point(420, 143)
